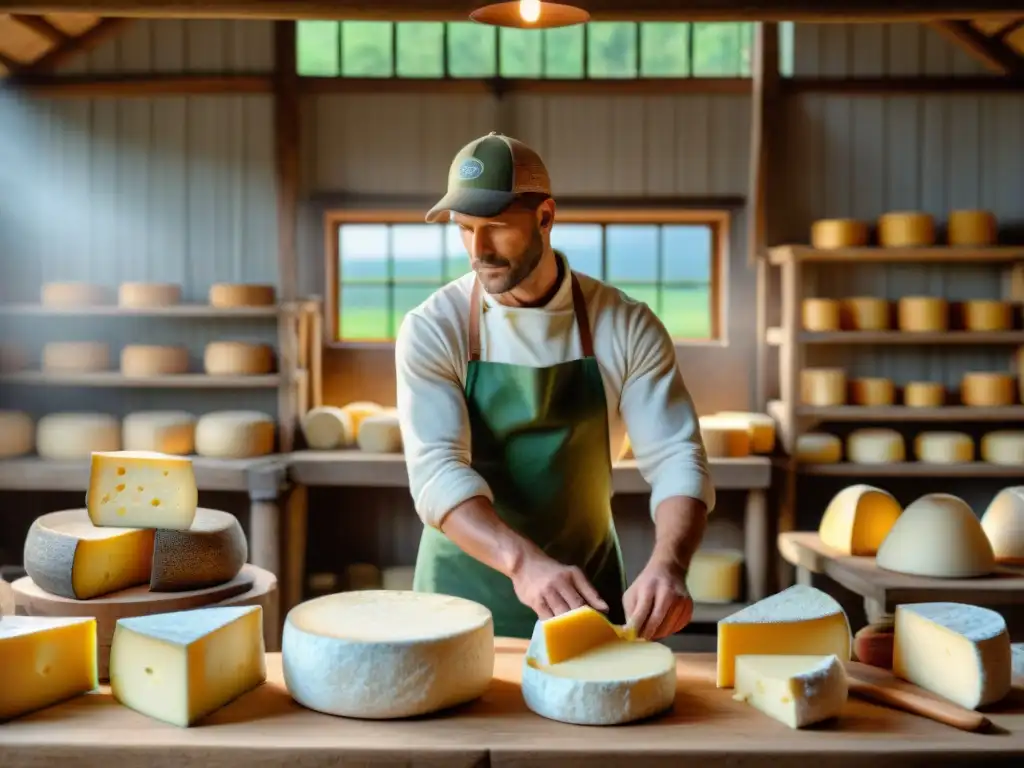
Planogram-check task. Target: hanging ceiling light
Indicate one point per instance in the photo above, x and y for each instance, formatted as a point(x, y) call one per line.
point(530, 14)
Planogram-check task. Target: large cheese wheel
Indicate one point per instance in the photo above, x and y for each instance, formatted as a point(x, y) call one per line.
point(148, 295)
point(387, 654)
point(327, 427)
point(875, 446)
point(76, 357)
point(819, 448)
point(820, 315)
point(761, 427)
point(924, 394)
point(940, 536)
point(1004, 447)
point(838, 233)
point(211, 552)
point(172, 432)
point(906, 230)
point(944, 448)
point(923, 314)
point(76, 435)
point(233, 296)
point(987, 389)
point(142, 360)
point(1003, 523)
point(235, 434)
point(17, 434)
point(380, 433)
point(988, 315)
point(68, 295)
point(865, 313)
point(858, 519)
point(872, 391)
point(715, 576)
point(972, 228)
point(238, 358)
point(823, 387)
point(12, 358)
point(724, 438)
point(359, 410)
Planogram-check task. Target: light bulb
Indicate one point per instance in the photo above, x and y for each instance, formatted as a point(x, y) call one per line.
point(529, 10)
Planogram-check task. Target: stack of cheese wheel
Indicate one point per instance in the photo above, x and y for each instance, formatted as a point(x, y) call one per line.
point(362, 423)
point(235, 434)
point(820, 315)
point(987, 389)
point(923, 314)
point(838, 233)
point(906, 230)
point(236, 296)
point(1003, 524)
point(65, 357)
point(68, 436)
point(238, 358)
point(944, 448)
point(872, 391)
point(145, 360)
point(865, 313)
point(924, 394)
point(17, 434)
point(823, 387)
point(1004, 447)
point(972, 228)
point(987, 315)
point(73, 295)
point(148, 295)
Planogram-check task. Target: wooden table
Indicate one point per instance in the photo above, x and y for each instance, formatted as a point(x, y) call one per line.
point(706, 728)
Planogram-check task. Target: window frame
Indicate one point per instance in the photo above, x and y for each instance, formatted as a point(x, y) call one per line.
point(717, 220)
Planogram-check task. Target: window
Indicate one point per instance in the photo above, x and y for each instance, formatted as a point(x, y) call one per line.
point(600, 49)
point(380, 266)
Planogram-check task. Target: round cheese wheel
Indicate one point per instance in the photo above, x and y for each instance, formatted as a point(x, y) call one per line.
point(715, 576)
point(233, 296)
point(12, 358)
point(923, 314)
point(235, 434)
point(70, 295)
point(1004, 447)
point(872, 391)
point(819, 448)
point(987, 389)
point(865, 313)
point(858, 519)
point(972, 228)
point(839, 233)
point(17, 434)
point(171, 432)
point(327, 427)
point(148, 295)
point(1003, 523)
point(944, 448)
point(820, 314)
point(823, 387)
point(238, 358)
point(380, 433)
point(906, 230)
point(211, 552)
point(988, 315)
point(724, 438)
point(76, 435)
point(939, 536)
point(142, 360)
point(875, 446)
point(359, 410)
point(76, 357)
point(379, 654)
point(760, 426)
point(924, 394)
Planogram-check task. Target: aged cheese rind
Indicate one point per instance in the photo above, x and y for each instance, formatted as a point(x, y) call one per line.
point(73, 295)
point(923, 314)
point(820, 315)
point(142, 489)
point(818, 448)
point(760, 425)
point(839, 233)
point(987, 389)
point(237, 358)
point(211, 552)
point(988, 315)
point(380, 433)
point(387, 654)
point(795, 690)
point(1003, 447)
point(906, 229)
point(972, 228)
point(142, 360)
point(944, 447)
point(76, 435)
point(1003, 524)
point(872, 391)
point(235, 295)
point(823, 387)
point(875, 446)
point(715, 576)
point(865, 313)
point(328, 427)
point(75, 357)
point(235, 434)
point(858, 519)
point(148, 295)
point(172, 432)
point(361, 409)
point(725, 438)
point(924, 394)
point(17, 434)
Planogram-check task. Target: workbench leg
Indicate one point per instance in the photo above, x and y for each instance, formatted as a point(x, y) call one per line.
point(757, 534)
point(265, 536)
point(875, 611)
point(296, 533)
point(804, 577)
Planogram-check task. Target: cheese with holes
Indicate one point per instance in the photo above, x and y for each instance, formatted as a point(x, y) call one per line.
point(45, 660)
point(237, 358)
point(1003, 447)
point(938, 535)
point(988, 315)
point(66, 555)
point(212, 551)
point(960, 652)
point(233, 295)
point(872, 391)
point(359, 410)
point(382, 654)
point(820, 315)
point(818, 448)
point(800, 620)
point(839, 233)
point(944, 448)
point(972, 228)
point(172, 432)
point(570, 634)
point(875, 446)
point(142, 360)
point(1003, 523)
point(865, 313)
point(235, 434)
point(17, 434)
point(148, 295)
point(924, 394)
point(906, 230)
point(823, 387)
point(328, 427)
point(380, 433)
point(761, 427)
point(142, 489)
point(986, 389)
point(180, 667)
point(715, 576)
point(858, 519)
point(67, 295)
point(798, 691)
point(724, 438)
point(922, 314)
point(75, 357)
point(76, 435)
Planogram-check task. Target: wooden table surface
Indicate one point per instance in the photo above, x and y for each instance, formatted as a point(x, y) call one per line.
point(707, 728)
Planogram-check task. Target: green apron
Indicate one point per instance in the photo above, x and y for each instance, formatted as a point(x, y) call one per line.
point(540, 440)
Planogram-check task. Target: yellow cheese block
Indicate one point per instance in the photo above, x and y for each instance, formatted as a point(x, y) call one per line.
point(233, 295)
point(838, 233)
point(1003, 523)
point(725, 438)
point(76, 357)
point(180, 667)
point(986, 389)
point(988, 315)
point(906, 230)
point(798, 691)
point(972, 228)
point(67, 295)
point(872, 391)
point(238, 358)
point(715, 576)
point(142, 360)
point(17, 434)
point(923, 314)
point(818, 448)
point(858, 519)
point(820, 315)
point(799, 620)
point(865, 313)
point(148, 295)
point(44, 660)
point(944, 448)
point(823, 387)
point(171, 432)
point(1004, 447)
point(141, 489)
point(875, 446)
point(761, 427)
point(924, 394)
point(571, 634)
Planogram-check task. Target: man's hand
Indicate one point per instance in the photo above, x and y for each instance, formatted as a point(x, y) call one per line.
point(658, 604)
point(550, 588)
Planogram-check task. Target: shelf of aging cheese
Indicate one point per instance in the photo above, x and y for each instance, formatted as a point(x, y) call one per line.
point(169, 381)
point(790, 254)
point(777, 337)
point(182, 311)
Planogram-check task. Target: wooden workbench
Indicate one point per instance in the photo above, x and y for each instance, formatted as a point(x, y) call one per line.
point(706, 728)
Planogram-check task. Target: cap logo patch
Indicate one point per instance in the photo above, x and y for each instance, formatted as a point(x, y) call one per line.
point(471, 169)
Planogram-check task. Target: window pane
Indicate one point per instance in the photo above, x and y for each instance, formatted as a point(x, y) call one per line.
point(363, 312)
point(521, 52)
point(686, 253)
point(787, 32)
point(716, 49)
point(664, 49)
point(472, 49)
point(418, 250)
point(563, 52)
point(316, 44)
point(686, 312)
point(363, 251)
point(407, 298)
point(648, 294)
point(420, 49)
point(366, 49)
point(632, 251)
point(612, 49)
point(456, 259)
point(747, 47)
point(581, 244)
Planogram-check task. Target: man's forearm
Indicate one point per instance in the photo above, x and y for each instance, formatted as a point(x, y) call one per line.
point(679, 524)
point(477, 530)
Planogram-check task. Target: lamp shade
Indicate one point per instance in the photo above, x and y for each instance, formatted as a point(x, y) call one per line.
point(530, 14)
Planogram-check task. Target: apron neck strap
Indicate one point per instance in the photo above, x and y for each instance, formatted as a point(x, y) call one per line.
point(579, 308)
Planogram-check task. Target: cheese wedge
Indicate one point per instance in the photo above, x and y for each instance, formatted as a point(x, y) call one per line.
point(858, 519)
point(571, 634)
point(795, 690)
point(141, 489)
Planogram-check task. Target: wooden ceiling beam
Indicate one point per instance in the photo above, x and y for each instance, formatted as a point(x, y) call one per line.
point(43, 28)
point(992, 52)
point(10, 64)
point(76, 46)
point(1009, 29)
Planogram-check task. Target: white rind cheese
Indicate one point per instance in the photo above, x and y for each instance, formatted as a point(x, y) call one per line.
point(142, 360)
point(172, 432)
point(76, 435)
point(944, 448)
point(237, 358)
point(1004, 447)
point(875, 446)
point(380, 433)
point(1003, 524)
point(328, 427)
point(795, 690)
point(858, 519)
point(818, 448)
point(142, 489)
point(148, 295)
point(235, 434)
point(211, 552)
point(76, 357)
point(17, 434)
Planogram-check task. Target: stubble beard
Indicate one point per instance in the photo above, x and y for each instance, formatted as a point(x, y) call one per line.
point(519, 270)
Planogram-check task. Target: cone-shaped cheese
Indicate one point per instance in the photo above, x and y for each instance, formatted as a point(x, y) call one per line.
point(858, 519)
point(1003, 523)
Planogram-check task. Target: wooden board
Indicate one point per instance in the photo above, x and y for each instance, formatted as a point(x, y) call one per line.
point(862, 576)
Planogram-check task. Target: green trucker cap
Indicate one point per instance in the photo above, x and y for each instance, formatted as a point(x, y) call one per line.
point(486, 176)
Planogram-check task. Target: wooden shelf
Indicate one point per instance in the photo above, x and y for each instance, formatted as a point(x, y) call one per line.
point(777, 336)
point(114, 379)
point(180, 311)
point(912, 469)
point(787, 254)
point(905, 413)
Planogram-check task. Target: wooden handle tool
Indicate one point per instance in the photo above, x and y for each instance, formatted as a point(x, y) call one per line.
point(882, 687)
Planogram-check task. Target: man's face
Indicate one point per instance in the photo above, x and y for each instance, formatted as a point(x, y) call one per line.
point(504, 250)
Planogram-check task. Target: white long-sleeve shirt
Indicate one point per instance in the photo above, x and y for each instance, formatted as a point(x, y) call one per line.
point(644, 388)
